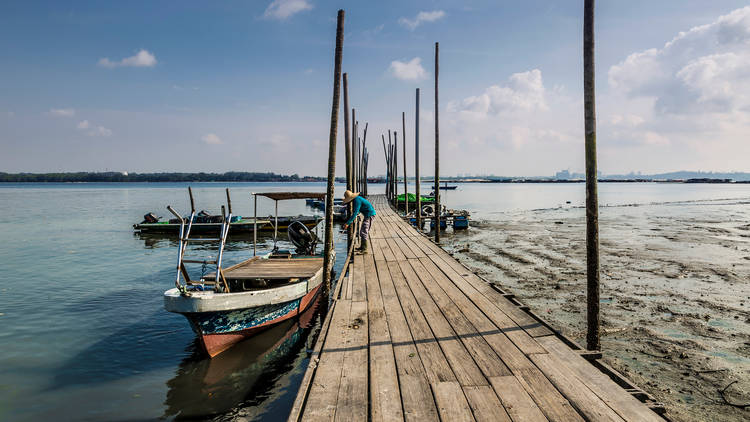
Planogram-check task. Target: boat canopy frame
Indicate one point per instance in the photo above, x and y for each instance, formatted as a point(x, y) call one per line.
point(276, 197)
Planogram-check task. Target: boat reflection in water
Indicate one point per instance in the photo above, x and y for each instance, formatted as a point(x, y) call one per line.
point(236, 382)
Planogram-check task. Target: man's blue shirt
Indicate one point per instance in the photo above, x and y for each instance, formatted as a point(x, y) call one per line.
point(362, 205)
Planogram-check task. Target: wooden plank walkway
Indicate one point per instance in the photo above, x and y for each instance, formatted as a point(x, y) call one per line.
point(413, 335)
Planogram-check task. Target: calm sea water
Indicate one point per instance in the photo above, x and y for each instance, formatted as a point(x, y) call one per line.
point(84, 334)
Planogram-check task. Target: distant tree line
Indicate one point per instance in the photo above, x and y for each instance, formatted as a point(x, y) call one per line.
point(232, 176)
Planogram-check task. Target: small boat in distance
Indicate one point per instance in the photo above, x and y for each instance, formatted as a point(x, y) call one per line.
point(233, 303)
point(451, 187)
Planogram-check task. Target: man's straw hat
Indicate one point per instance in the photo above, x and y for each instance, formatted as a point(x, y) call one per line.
point(349, 196)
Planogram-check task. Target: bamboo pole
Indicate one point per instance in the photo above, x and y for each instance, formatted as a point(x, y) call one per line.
point(395, 167)
point(328, 249)
point(403, 139)
point(416, 164)
point(362, 160)
point(385, 153)
point(348, 153)
point(437, 152)
point(390, 149)
point(355, 145)
point(592, 200)
point(393, 192)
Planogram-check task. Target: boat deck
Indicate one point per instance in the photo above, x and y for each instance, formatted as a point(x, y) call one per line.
point(414, 335)
point(275, 268)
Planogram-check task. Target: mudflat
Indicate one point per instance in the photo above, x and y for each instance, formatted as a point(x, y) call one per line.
point(675, 292)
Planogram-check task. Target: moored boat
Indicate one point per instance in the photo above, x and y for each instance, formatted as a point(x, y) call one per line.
point(237, 302)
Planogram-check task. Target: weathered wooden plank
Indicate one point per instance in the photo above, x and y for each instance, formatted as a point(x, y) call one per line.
point(321, 402)
point(346, 288)
point(376, 249)
point(551, 402)
point(385, 398)
point(419, 404)
point(412, 244)
point(519, 337)
point(398, 254)
point(466, 370)
point(627, 406)
point(521, 318)
point(359, 290)
point(416, 394)
point(519, 405)
point(307, 379)
point(431, 354)
point(485, 405)
point(405, 250)
point(486, 359)
point(579, 396)
point(451, 402)
point(352, 402)
point(386, 250)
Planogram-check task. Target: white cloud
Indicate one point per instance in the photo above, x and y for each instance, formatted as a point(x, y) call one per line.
point(523, 92)
point(8, 114)
point(283, 9)
point(62, 112)
point(705, 69)
point(421, 17)
point(83, 124)
point(211, 139)
point(100, 131)
point(408, 71)
point(142, 58)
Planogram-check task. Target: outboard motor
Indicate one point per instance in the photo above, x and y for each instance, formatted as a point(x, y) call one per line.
point(302, 238)
point(150, 218)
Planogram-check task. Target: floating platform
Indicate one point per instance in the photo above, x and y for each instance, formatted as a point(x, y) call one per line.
point(414, 335)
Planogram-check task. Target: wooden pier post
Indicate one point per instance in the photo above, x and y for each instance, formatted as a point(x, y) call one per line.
point(403, 139)
point(437, 151)
point(416, 165)
point(385, 152)
point(592, 200)
point(348, 153)
point(362, 161)
point(390, 164)
point(395, 168)
point(355, 145)
point(328, 249)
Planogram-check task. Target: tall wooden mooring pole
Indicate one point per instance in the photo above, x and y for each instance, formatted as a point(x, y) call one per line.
point(328, 249)
point(592, 200)
point(416, 165)
point(403, 137)
point(348, 153)
point(437, 151)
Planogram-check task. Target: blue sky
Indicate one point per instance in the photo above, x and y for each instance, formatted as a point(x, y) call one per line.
point(246, 85)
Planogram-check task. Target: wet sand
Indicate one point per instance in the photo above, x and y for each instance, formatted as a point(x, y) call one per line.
point(675, 292)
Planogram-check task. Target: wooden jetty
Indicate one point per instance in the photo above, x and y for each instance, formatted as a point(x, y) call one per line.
point(414, 335)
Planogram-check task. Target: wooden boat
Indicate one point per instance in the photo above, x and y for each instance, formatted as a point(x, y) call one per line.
point(202, 388)
point(243, 225)
point(237, 302)
point(212, 224)
point(447, 187)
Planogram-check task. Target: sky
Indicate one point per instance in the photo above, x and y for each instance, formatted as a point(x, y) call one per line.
point(149, 86)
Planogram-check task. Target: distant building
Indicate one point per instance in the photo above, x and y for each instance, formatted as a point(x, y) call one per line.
point(562, 175)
